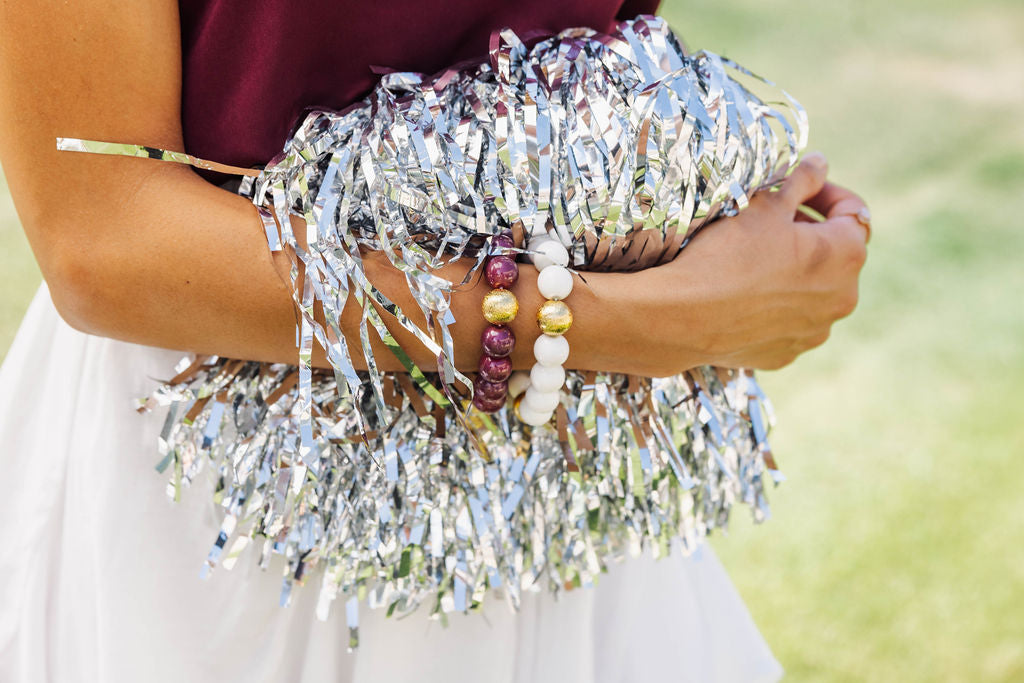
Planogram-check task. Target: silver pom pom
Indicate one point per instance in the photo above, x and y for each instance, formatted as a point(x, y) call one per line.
point(620, 147)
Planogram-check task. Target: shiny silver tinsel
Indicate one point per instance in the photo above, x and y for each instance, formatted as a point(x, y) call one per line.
point(621, 146)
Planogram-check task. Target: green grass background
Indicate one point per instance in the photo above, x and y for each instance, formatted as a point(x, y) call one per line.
point(896, 550)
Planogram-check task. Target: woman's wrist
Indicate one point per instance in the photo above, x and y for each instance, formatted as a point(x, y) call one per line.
point(602, 334)
point(622, 322)
point(611, 331)
point(640, 325)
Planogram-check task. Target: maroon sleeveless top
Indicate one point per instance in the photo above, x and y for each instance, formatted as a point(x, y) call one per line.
point(250, 69)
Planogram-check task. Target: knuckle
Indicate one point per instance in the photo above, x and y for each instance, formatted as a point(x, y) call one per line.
point(858, 254)
point(800, 175)
point(818, 338)
point(779, 360)
point(771, 201)
point(814, 251)
point(846, 303)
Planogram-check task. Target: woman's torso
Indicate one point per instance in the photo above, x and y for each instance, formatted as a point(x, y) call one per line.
point(251, 68)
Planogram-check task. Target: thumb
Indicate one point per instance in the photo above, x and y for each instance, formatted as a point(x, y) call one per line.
point(805, 181)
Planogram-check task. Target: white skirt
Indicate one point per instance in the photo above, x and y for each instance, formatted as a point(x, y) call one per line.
point(99, 570)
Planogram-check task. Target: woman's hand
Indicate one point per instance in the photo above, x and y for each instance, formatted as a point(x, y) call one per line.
point(755, 290)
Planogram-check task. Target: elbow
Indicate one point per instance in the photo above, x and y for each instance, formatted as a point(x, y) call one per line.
point(60, 241)
point(76, 289)
point(86, 249)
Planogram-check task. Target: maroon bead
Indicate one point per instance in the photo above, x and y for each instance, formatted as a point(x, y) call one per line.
point(498, 341)
point(489, 389)
point(495, 369)
point(500, 242)
point(501, 271)
point(489, 405)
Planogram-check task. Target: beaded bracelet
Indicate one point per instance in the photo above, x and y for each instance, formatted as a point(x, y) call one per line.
point(537, 394)
point(490, 389)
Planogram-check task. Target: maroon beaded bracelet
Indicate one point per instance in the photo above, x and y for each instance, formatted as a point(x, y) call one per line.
point(490, 388)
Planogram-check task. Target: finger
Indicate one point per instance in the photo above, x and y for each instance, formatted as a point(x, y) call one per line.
point(848, 234)
point(831, 195)
point(834, 201)
point(806, 180)
point(854, 208)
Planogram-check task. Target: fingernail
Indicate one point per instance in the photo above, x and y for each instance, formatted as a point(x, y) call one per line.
point(817, 160)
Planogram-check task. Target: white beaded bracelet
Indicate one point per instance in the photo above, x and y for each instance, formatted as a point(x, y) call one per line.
point(538, 392)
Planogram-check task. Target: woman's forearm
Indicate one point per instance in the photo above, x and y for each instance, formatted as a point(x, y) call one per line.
point(183, 264)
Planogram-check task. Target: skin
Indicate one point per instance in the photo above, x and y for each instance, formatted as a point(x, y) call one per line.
point(151, 253)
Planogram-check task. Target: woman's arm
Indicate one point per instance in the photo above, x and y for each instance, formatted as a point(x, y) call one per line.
point(151, 253)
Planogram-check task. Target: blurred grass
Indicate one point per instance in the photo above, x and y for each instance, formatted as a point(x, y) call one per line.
point(19, 275)
point(895, 552)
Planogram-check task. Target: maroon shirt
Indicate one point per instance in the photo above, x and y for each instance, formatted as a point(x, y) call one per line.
point(250, 68)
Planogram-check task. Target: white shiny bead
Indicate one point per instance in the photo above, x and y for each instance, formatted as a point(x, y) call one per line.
point(549, 252)
point(554, 282)
point(540, 401)
point(518, 383)
point(534, 245)
point(547, 377)
point(539, 227)
point(534, 418)
point(551, 349)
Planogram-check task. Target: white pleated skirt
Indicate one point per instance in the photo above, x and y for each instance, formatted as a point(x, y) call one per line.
point(99, 570)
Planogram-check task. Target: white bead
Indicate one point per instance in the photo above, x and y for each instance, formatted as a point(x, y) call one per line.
point(551, 349)
point(534, 418)
point(539, 227)
point(541, 401)
point(554, 282)
point(547, 377)
point(534, 245)
point(518, 383)
point(549, 252)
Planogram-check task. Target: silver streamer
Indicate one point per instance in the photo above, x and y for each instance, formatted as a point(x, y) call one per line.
point(621, 146)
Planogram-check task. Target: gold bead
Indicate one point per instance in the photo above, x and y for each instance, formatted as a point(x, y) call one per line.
point(500, 306)
point(554, 317)
point(515, 405)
